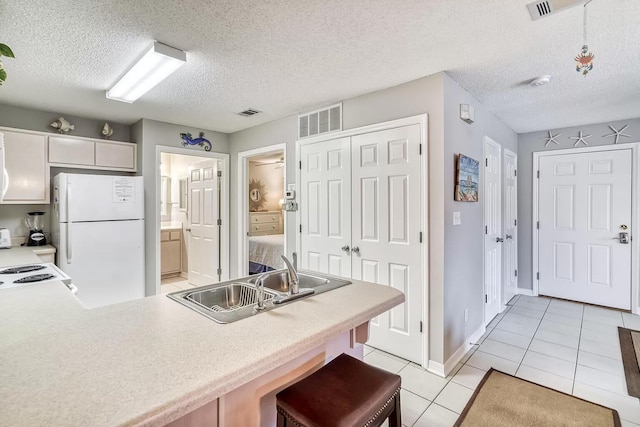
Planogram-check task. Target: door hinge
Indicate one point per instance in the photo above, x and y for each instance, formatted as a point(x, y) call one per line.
point(486, 298)
point(301, 228)
point(486, 162)
point(515, 172)
point(538, 174)
point(538, 225)
point(219, 221)
point(538, 276)
point(219, 174)
point(219, 272)
point(515, 222)
point(486, 230)
point(300, 164)
point(515, 273)
point(421, 326)
point(420, 152)
point(421, 237)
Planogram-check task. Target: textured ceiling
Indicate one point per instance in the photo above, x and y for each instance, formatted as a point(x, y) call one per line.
point(285, 57)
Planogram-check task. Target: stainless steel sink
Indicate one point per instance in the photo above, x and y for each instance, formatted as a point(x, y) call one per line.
point(234, 300)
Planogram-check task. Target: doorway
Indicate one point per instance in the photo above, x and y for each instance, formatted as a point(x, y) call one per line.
point(493, 229)
point(583, 222)
point(193, 214)
point(262, 223)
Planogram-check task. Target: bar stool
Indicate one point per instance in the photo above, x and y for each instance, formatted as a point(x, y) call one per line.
point(344, 393)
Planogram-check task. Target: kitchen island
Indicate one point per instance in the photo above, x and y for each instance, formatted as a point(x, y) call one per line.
point(153, 361)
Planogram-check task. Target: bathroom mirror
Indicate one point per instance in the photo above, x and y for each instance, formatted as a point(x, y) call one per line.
point(184, 193)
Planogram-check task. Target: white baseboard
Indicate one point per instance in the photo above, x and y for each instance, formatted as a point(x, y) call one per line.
point(527, 292)
point(436, 368)
point(444, 370)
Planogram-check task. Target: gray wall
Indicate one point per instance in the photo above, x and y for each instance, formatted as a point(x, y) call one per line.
point(528, 143)
point(149, 134)
point(24, 118)
point(464, 244)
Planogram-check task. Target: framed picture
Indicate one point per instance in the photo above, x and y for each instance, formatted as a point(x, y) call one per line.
point(467, 177)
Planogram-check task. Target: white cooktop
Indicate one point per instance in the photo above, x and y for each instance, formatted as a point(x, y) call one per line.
point(29, 274)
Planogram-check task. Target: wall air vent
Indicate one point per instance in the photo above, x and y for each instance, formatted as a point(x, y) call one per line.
point(320, 121)
point(540, 9)
point(249, 112)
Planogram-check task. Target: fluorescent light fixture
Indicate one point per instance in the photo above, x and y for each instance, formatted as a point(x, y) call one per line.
point(158, 63)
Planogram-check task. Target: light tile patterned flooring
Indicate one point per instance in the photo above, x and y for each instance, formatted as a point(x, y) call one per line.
point(174, 284)
point(563, 345)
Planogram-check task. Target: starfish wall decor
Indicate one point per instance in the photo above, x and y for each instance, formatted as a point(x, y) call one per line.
point(551, 138)
point(580, 139)
point(617, 133)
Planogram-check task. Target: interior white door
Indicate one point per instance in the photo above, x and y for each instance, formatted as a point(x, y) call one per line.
point(493, 230)
point(584, 203)
point(325, 207)
point(385, 242)
point(510, 226)
point(204, 254)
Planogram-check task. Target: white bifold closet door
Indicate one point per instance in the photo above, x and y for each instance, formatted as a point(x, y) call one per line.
point(360, 210)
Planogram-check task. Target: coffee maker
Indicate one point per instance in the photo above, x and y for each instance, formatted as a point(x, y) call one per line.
point(35, 223)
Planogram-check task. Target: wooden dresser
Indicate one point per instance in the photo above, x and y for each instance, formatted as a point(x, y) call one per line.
point(263, 223)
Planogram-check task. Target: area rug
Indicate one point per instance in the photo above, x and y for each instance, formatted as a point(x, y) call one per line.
point(630, 347)
point(504, 400)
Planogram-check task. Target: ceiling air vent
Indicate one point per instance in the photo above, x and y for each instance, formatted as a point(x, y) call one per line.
point(321, 121)
point(249, 112)
point(540, 9)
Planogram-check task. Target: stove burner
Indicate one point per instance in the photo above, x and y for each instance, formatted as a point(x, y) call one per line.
point(35, 278)
point(22, 269)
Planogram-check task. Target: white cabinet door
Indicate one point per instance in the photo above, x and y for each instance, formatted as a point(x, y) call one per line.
point(71, 151)
point(493, 230)
point(584, 203)
point(116, 155)
point(386, 223)
point(27, 169)
point(204, 259)
point(325, 207)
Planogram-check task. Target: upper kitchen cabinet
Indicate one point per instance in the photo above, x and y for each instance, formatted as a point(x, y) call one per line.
point(27, 171)
point(86, 153)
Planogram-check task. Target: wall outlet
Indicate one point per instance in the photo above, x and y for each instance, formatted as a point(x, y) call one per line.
point(466, 315)
point(457, 218)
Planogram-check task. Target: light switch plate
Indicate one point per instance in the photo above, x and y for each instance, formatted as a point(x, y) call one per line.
point(457, 218)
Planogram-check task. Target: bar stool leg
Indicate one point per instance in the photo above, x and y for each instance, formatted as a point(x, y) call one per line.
point(395, 418)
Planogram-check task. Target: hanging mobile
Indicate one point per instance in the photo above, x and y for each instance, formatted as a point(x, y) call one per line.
point(584, 60)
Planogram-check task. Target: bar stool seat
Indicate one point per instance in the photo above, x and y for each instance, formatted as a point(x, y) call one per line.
point(344, 393)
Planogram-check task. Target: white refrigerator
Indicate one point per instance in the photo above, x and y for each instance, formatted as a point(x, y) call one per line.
point(98, 230)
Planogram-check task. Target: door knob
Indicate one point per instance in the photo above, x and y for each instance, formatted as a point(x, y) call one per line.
point(187, 229)
point(345, 248)
point(499, 240)
point(509, 236)
point(623, 238)
point(355, 250)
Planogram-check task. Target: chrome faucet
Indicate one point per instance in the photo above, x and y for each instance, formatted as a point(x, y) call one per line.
point(260, 293)
point(293, 275)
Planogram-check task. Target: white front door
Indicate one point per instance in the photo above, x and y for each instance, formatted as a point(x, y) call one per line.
point(385, 243)
point(204, 259)
point(493, 230)
point(325, 207)
point(584, 203)
point(510, 227)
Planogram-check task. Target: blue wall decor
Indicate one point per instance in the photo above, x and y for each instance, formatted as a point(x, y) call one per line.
point(187, 139)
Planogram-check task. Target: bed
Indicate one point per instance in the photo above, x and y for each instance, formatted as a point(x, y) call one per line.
point(264, 253)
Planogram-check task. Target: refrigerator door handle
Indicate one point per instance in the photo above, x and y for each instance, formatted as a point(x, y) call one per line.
point(4, 176)
point(69, 223)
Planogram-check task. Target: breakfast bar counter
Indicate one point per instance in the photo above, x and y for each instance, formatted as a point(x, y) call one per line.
point(153, 361)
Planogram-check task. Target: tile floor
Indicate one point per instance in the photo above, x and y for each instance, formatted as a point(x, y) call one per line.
point(563, 345)
point(174, 284)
